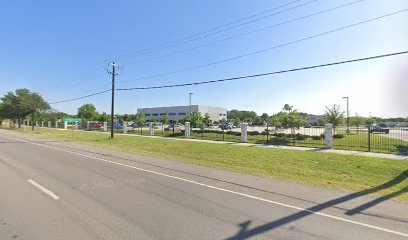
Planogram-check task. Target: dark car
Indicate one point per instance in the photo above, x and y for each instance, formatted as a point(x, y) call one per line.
point(378, 129)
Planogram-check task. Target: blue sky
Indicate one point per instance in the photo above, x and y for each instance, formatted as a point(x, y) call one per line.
point(44, 45)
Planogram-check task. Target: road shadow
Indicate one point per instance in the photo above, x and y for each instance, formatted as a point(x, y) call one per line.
point(245, 233)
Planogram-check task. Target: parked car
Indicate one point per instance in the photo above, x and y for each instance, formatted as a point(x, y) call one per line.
point(378, 129)
point(308, 125)
point(170, 127)
point(227, 126)
point(96, 125)
point(116, 126)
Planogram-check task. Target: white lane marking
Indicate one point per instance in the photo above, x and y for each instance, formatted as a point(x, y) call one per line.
point(43, 189)
point(225, 190)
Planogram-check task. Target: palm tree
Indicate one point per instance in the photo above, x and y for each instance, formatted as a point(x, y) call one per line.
point(334, 116)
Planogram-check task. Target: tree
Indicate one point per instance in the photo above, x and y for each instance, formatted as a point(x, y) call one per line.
point(237, 121)
point(21, 104)
point(140, 119)
point(195, 119)
point(249, 115)
point(321, 122)
point(104, 117)
point(164, 119)
point(207, 119)
point(291, 118)
point(265, 117)
point(276, 120)
point(357, 121)
point(370, 121)
point(88, 112)
point(334, 116)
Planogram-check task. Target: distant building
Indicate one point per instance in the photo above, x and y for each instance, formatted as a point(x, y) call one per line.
point(179, 112)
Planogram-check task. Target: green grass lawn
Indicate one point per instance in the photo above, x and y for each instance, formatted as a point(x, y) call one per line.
point(357, 141)
point(345, 172)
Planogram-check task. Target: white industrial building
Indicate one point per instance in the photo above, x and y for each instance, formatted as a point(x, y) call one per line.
point(179, 112)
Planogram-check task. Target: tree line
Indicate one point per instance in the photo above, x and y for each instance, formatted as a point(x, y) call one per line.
point(26, 105)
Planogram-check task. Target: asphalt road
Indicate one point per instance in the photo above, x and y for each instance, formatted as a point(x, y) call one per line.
point(57, 190)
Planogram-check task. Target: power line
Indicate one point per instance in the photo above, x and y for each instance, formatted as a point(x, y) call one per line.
point(249, 32)
point(85, 91)
point(264, 74)
point(240, 77)
point(75, 78)
point(71, 82)
point(86, 96)
point(208, 33)
point(266, 49)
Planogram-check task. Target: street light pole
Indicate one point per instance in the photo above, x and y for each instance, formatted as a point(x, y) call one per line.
point(190, 101)
point(348, 119)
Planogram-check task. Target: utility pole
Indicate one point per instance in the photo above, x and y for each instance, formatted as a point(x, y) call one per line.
point(32, 112)
point(114, 66)
point(348, 119)
point(190, 100)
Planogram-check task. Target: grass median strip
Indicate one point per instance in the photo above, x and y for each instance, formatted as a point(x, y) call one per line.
point(345, 172)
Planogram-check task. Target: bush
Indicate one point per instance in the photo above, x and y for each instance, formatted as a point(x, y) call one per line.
point(317, 137)
point(280, 135)
point(402, 149)
point(300, 136)
point(254, 133)
point(338, 136)
point(279, 141)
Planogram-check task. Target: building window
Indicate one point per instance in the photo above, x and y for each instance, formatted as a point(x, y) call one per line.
point(220, 114)
point(224, 114)
point(172, 114)
point(147, 115)
point(162, 114)
point(155, 114)
point(182, 113)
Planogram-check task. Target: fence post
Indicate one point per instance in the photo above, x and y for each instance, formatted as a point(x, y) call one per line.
point(125, 127)
point(151, 129)
point(244, 132)
point(49, 124)
point(105, 126)
point(187, 130)
point(76, 125)
point(267, 133)
point(369, 138)
point(88, 126)
point(65, 125)
point(328, 132)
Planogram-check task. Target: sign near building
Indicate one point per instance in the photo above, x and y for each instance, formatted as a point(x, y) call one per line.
point(72, 119)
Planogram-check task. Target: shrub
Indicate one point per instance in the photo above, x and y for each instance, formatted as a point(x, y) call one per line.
point(253, 133)
point(317, 137)
point(338, 136)
point(300, 136)
point(279, 141)
point(402, 149)
point(280, 135)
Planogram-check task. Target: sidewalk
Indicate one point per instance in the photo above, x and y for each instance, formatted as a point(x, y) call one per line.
point(345, 152)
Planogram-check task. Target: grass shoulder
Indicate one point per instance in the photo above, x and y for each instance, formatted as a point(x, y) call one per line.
point(344, 172)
